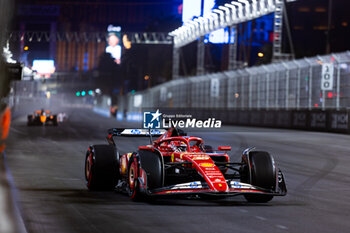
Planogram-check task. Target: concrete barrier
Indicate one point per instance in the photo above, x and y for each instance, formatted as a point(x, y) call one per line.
point(314, 120)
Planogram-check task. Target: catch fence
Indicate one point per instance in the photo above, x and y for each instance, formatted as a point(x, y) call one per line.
point(321, 82)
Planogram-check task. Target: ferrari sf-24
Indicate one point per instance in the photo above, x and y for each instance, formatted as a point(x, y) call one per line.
point(176, 164)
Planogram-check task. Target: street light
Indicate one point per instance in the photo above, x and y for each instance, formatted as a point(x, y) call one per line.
point(262, 8)
point(233, 12)
point(240, 10)
point(255, 11)
point(214, 22)
point(193, 28)
point(196, 28)
point(247, 8)
point(222, 17)
point(186, 31)
point(227, 14)
point(207, 25)
point(201, 22)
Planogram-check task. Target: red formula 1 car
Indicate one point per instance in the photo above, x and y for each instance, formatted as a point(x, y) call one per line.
point(176, 164)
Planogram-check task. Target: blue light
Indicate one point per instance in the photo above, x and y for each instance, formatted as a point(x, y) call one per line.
point(220, 36)
point(190, 9)
point(83, 93)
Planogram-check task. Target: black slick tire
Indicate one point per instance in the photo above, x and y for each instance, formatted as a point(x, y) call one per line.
point(263, 174)
point(152, 164)
point(101, 167)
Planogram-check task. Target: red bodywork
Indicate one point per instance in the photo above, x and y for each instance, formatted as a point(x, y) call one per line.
point(189, 152)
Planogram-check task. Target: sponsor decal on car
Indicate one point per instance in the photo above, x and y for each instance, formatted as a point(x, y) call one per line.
point(194, 185)
point(210, 169)
point(200, 158)
point(236, 185)
point(207, 165)
point(135, 131)
point(178, 160)
point(191, 185)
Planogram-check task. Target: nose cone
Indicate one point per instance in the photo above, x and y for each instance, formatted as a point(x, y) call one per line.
point(221, 186)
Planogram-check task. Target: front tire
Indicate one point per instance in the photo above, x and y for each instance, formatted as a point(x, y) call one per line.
point(263, 174)
point(151, 163)
point(101, 167)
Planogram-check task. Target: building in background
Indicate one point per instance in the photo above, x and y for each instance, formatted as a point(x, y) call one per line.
point(92, 16)
point(314, 30)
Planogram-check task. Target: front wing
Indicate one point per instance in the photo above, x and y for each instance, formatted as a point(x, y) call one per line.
point(235, 188)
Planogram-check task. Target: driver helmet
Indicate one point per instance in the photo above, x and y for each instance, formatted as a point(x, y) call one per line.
point(178, 145)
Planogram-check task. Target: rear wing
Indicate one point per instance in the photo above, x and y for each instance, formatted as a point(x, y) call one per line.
point(135, 132)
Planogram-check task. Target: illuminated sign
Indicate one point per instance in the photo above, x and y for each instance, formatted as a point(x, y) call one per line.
point(191, 8)
point(208, 7)
point(44, 67)
point(114, 42)
point(194, 8)
point(219, 36)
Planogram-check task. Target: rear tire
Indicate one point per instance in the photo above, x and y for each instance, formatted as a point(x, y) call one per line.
point(133, 182)
point(263, 174)
point(101, 167)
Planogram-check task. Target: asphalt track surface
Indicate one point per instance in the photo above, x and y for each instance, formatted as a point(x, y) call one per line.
point(47, 164)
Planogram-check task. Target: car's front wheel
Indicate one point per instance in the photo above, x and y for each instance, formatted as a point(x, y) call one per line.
point(151, 164)
point(262, 174)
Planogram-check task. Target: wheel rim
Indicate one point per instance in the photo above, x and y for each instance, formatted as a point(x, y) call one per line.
point(88, 166)
point(132, 176)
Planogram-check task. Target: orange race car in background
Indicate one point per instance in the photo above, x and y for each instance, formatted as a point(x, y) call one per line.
point(42, 117)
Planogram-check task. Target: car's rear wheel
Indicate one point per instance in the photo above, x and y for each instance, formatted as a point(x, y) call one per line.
point(262, 174)
point(101, 167)
point(133, 182)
